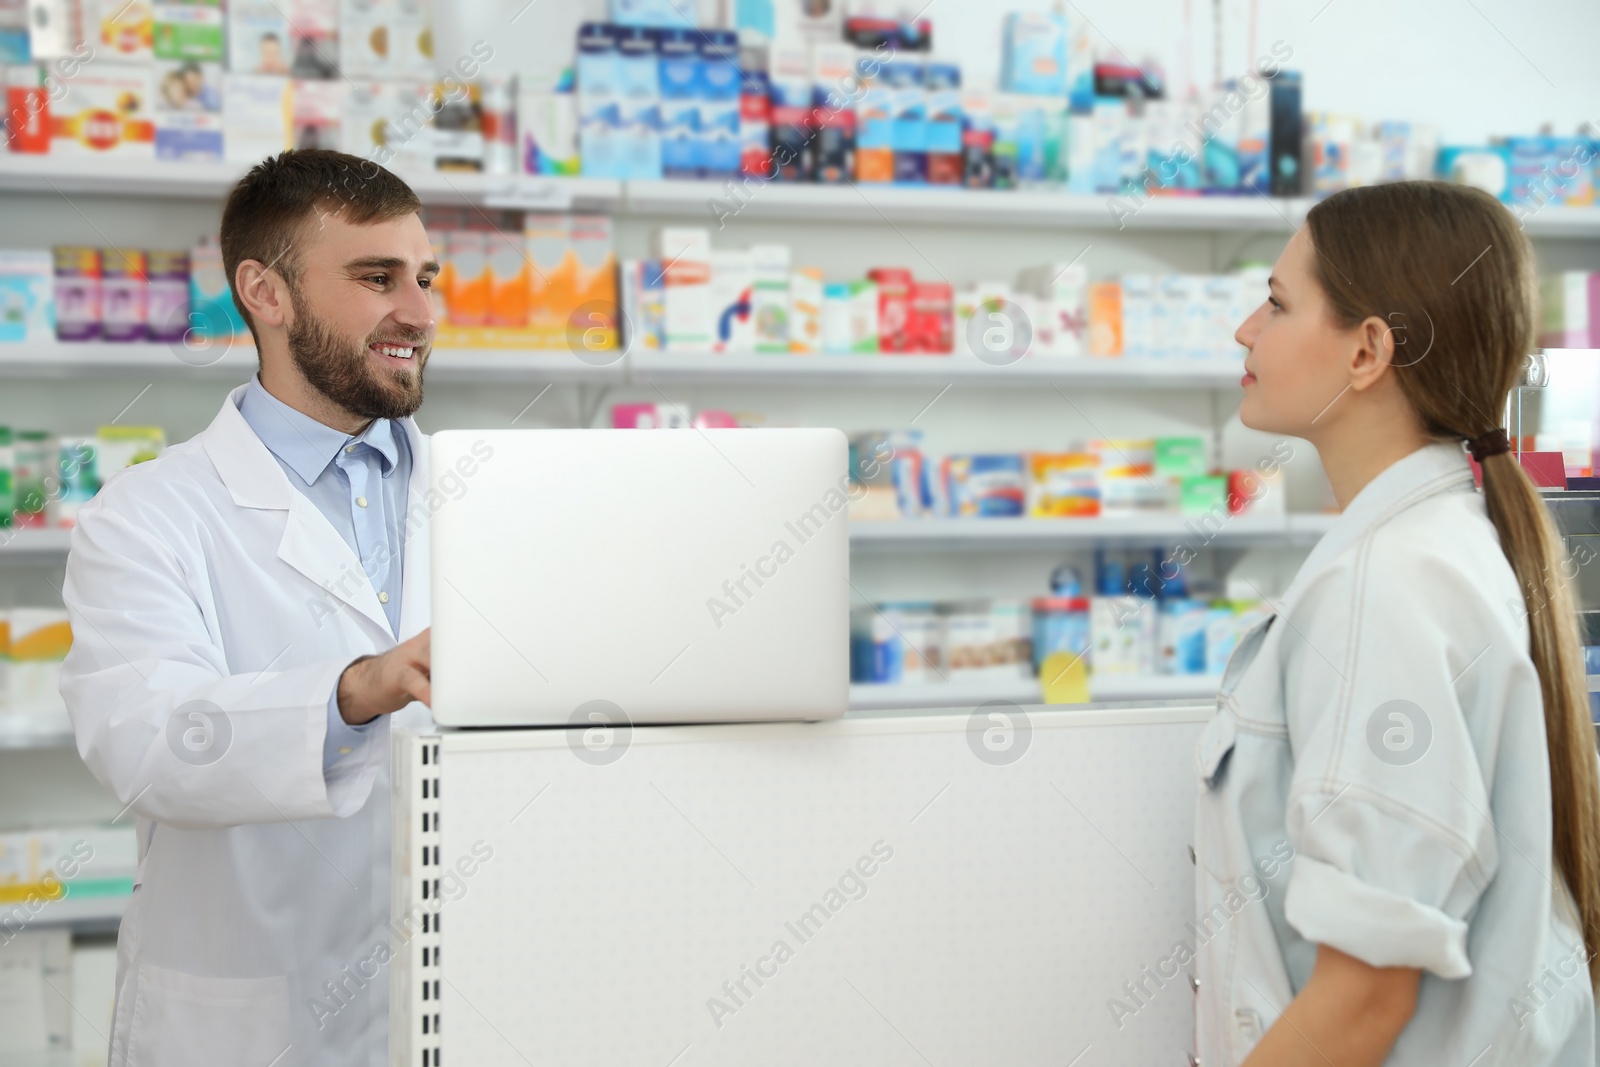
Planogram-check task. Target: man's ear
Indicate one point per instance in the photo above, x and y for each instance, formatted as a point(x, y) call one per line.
point(263, 293)
point(1373, 350)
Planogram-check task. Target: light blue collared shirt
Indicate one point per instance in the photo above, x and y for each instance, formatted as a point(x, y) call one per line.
point(359, 483)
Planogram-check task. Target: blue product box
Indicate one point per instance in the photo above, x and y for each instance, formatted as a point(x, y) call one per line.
point(680, 102)
point(639, 108)
point(718, 129)
point(1110, 120)
point(908, 102)
point(987, 486)
point(660, 13)
point(1487, 167)
point(599, 100)
point(1034, 57)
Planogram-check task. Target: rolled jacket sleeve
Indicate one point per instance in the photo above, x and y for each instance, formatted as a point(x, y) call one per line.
point(1388, 809)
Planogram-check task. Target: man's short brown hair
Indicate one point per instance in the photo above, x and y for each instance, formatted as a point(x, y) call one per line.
point(268, 212)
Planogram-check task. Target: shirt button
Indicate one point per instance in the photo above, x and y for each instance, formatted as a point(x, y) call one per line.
point(344, 751)
point(349, 448)
point(361, 501)
point(383, 598)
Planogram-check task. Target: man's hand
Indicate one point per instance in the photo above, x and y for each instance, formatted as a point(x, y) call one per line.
point(379, 685)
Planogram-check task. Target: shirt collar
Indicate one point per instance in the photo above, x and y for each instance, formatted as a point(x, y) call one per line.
point(304, 444)
point(1434, 468)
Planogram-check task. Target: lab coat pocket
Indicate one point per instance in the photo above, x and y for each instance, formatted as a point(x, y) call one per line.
point(183, 1020)
point(1212, 842)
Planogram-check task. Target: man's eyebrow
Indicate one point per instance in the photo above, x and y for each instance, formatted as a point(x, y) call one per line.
point(388, 263)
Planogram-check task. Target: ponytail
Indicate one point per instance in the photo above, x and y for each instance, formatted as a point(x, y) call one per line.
point(1528, 538)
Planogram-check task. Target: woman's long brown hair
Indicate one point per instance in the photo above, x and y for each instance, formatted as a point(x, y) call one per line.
point(1449, 270)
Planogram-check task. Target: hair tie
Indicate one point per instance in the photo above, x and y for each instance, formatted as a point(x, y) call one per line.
point(1489, 444)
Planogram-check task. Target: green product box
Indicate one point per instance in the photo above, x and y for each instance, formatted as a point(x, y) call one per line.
point(8, 494)
point(1180, 457)
point(1203, 493)
point(188, 31)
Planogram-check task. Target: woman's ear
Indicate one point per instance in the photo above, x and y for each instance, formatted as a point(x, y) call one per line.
point(262, 292)
point(1373, 349)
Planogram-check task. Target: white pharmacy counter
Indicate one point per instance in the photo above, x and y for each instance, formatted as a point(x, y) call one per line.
point(889, 888)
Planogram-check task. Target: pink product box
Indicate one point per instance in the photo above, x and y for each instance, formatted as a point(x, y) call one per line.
point(167, 316)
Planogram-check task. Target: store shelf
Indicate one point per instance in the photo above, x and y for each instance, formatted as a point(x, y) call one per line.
point(33, 546)
point(71, 176)
point(1017, 534)
point(964, 694)
point(83, 914)
point(238, 361)
point(901, 371)
point(716, 202)
point(940, 535)
point(14, 737)
point(942, 694)
point(1110, 687)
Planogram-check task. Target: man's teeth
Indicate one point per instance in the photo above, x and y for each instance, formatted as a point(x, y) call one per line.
point(395, 350)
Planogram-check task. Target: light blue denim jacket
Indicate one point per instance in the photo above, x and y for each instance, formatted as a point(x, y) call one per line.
point(1376, 780)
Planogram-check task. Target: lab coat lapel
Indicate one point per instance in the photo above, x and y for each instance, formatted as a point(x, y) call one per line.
point(310, 544)
point(416, 608)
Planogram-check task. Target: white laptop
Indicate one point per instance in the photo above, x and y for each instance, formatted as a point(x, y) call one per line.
point(639, 576)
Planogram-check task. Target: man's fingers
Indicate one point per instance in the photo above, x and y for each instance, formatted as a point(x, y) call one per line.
point(417, 685)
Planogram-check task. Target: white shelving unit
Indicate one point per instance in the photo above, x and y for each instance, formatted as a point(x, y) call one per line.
point(711, 201)
point(964, 694)
point(33, 546)
point(900, 371)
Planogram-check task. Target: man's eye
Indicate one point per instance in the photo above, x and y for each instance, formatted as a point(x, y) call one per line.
point(426, 283)
point(378, 279)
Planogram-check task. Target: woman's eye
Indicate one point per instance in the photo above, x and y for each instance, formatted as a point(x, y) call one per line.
point(1274, 302)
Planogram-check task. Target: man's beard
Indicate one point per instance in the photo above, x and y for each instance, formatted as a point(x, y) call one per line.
point(342, 371)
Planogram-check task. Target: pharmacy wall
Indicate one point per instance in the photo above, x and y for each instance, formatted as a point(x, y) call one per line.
point(1483, 70)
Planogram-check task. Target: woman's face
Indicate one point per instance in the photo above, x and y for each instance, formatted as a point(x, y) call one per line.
point(1298, 364)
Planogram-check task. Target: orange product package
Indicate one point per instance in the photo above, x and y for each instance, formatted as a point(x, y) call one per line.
point(1105, 319)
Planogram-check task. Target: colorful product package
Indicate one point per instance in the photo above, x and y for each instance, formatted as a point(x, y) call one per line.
point(717, 129)
point(680, 87)
point(832, 121)
point(28, 118)
point(732, 272)
point(930, 324)
point(258, 38)
point(167, 295)
point(123, 295)
point(27, 295)
point(1203, 494)
point(317, 114)
point(188, 110)
point(685, 254)
point(1570, 310)
point(380, 121)
point(988, 486)
point(77, 293)
point(770, 313)
point(510, 278)
point(118, 447)
point(259, 112)
point(875, 131)
point(1138, 313)
point(909, 108)
point(105, 110)
point(977, 139)
point(865, 329)
point(894, 307)
point(547, 129)
point(77, 482)
point(126, 29)
point(313, 39)
point(1182, 636)
point(188, 31)
point(1063, 484)
point(211, 311)
point(639, 104)
point(1034, 54)
point(755, 123)
point(835, 318)
point(791, 95)
point(1105, 319)
point(805, 310)
point(32, 471)
point(1127, 485)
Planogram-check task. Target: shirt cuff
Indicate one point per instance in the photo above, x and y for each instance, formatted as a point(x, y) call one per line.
point(341, 738)
point(1378, 927)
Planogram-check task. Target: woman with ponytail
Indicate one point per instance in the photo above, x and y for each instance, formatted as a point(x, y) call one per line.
point(1402, 753)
